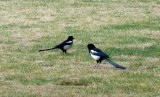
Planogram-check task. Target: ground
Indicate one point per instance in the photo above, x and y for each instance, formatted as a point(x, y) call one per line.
point(127, 30)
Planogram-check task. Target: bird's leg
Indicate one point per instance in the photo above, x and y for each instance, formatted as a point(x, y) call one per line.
point(96, 65)
point(64, 52)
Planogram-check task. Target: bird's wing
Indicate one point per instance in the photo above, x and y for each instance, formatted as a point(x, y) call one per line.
point(66, 42)
point(98, 52)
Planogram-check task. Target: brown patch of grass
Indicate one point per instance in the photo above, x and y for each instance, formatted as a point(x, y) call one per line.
point(140, 45)
point(74, 82)
point(152, 60)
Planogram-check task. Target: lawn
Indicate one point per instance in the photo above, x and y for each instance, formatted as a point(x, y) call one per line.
point(127, 30)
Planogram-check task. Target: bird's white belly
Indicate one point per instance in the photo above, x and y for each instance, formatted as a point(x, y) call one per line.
point(66, 47)
point(95, 57)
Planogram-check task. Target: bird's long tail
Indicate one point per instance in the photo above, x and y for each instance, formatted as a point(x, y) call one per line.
point(47, 49)
point(115, 64)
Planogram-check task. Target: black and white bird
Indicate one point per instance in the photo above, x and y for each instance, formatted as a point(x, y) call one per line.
point(98, 55)
point(64, 46)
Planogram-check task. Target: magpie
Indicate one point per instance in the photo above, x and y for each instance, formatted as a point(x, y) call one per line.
point(98, 55)
point(64, 46)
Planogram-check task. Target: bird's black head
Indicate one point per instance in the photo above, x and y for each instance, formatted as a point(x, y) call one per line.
point(70, 38)
point(91, 46)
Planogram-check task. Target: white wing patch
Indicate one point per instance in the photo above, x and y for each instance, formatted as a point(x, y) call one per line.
point(69, 42)
point(92, 51)
point(95, 57)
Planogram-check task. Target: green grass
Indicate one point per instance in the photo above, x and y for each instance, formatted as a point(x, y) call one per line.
point(128, 30)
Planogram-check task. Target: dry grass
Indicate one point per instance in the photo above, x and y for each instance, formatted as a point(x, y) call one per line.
point(128, 31)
